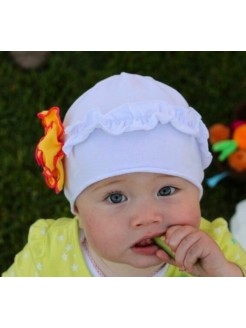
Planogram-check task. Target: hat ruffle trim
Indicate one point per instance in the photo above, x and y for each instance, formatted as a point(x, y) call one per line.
point(140, 116)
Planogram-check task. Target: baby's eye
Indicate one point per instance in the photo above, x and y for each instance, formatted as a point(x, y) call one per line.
point(166, 191)
point(116, 198)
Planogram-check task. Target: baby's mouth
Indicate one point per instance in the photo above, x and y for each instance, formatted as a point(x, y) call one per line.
point(144, 243)
point(145, 246)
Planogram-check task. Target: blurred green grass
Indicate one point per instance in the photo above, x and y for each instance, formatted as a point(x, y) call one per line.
point(212, 82)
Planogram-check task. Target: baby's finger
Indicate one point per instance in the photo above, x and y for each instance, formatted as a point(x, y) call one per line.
point(176, 234)
point(193, 255)
point(171, 231)
point(164, 257)
point(188, 252)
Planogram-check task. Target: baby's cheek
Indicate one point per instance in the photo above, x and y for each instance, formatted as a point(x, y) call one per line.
point(99, 237)
point(105, 246)
point(190, 216)
point(93, 229)
point(194, 219)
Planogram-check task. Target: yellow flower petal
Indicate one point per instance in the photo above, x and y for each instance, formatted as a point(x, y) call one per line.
point(49, 152)
point(50, 147)
point(51, 116)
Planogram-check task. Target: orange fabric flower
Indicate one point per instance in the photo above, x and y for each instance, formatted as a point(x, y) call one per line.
point(218, 132)
point(240, 136)
point(49, 152)
point(238, 160)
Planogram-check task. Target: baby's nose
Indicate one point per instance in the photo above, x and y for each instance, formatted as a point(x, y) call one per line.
point(146, 216)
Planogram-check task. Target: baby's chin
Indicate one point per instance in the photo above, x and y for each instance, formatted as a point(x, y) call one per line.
point(146, 262)
point(140, 266)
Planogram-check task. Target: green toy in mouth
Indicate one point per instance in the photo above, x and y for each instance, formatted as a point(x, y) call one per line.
point(160, 241)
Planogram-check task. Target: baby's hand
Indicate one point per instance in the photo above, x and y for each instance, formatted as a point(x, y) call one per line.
point(197, 253)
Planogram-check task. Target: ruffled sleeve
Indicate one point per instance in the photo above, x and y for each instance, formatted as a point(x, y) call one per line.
point(52, 250)
point(233, 251)
point(29, 261)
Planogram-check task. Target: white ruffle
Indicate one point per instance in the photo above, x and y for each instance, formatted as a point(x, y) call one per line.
point(139, 116)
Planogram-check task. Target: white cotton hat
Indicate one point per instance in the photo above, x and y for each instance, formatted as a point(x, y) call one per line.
point(130, 123)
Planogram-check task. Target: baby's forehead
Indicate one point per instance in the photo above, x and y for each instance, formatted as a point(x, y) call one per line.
point(132, 178)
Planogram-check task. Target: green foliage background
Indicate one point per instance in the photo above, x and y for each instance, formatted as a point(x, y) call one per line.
point(212, 82)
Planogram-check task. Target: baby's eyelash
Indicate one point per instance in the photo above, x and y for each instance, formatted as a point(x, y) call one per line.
point(167, 191)
point(109, 193)
point(115, 197)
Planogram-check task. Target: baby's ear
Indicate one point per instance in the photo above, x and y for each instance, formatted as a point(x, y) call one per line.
point(81, 222)
point(76, 208)
point(76, 212)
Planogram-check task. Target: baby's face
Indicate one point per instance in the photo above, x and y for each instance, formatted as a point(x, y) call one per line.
point(121, 215)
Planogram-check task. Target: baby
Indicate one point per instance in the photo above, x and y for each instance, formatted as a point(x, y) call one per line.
point(131, 155)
